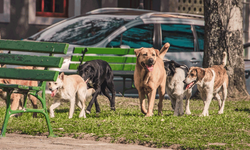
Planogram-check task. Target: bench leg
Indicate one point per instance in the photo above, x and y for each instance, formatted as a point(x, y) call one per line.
point(45, 113)
point(7, 115)
point(124, 86)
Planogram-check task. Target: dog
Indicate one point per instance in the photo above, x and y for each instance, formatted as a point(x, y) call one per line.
point(16, 97)
point(210, 81)
point(70, 88)
point(100, 77)
point(149, 76)
point(175, 87)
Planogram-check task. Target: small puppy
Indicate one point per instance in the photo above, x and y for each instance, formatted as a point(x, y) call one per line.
point(176, 73)
point(209, 82)
point(70, 88)
point(100, 77)
point(149, 76)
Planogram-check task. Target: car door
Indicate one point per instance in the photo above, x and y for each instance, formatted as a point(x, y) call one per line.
point(183, 44)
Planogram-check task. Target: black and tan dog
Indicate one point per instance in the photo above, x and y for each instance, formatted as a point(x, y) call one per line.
point(99, 76)
point(149, 75)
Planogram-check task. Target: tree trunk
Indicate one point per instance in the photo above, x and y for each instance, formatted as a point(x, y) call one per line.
point(223, 32)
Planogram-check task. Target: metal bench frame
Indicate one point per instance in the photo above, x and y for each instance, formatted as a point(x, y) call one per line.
point(23, 74)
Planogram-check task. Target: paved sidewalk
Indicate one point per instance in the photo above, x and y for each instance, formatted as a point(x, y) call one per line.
point(24, 142)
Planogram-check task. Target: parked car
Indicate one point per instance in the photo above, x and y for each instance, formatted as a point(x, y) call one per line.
point(131, 28)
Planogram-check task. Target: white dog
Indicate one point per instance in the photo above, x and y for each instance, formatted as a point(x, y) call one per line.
point(72, 88)
point(176, 73)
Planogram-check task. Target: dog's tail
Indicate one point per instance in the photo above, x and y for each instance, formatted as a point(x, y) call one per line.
point(224, 60)
point(90, 92)
point(164, 50)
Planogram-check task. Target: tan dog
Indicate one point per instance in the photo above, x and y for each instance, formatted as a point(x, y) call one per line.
point(71, 88)
point(15, 97)
point(209, 82)
point(149, 76)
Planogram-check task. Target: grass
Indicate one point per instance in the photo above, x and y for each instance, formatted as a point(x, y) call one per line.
point(127, 124)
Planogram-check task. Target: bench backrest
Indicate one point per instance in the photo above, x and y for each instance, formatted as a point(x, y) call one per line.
point(119, 59)
point(33, 58)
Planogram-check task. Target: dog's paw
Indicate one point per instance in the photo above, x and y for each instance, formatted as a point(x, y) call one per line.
point(220, 112)
point(112, 108)
point(149, 115)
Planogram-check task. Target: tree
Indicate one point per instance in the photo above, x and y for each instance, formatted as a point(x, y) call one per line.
point(223, 32)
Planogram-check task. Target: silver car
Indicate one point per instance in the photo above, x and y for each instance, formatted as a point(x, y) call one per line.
point(131, 28)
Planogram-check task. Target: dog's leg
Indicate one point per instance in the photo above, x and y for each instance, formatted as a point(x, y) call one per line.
point(82, 113)
point(105, 92)
point(188, 95)
point(142, 100)
point(81, 101)
point(217, 96)
point(78, 103)
point(94, 100)
point(52, 107)
point(15, 103)
point(72, 107)
point(33, 100)
point(161, 91)
point(178, 107)
point(224, 95)
point(151, 101)
point(173, 102)
point(207, 104)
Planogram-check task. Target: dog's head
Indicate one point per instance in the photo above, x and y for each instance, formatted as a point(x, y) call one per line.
point(55, 86)
point(170, 67)
point(195, 74)
point(146, 57)
point(87, 72)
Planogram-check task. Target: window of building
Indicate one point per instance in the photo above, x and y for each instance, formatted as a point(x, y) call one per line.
point(52, 8)
point(179, 36)
point(1, 6)
point(135, 37)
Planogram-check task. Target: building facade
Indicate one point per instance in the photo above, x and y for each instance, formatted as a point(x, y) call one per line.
point(22, 18)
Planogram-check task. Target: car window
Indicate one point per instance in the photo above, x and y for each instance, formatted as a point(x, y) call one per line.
point(200, 33)
point(135, 37)
point(179, 36)
point(84, 30)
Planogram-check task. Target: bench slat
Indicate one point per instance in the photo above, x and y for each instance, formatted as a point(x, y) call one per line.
point(109, 59)
point(32, 46)
point(124, 67)
point(23, 74)
point(94, 50)
point(21, 87)
point(27, 60)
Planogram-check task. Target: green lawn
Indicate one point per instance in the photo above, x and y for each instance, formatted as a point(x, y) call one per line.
point(127, 124)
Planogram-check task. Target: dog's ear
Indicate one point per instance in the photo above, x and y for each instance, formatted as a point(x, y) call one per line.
point(137, 51)
point(172, 67)
point(61, 76)
point(157, 52)
point(200, 73)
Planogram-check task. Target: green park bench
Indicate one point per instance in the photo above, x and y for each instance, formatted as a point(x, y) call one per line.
point(122, 61)
point(40, 54)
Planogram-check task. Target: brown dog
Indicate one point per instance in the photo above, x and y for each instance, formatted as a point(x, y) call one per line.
point(15, 97)
point(150, 75)
point(210, 81)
